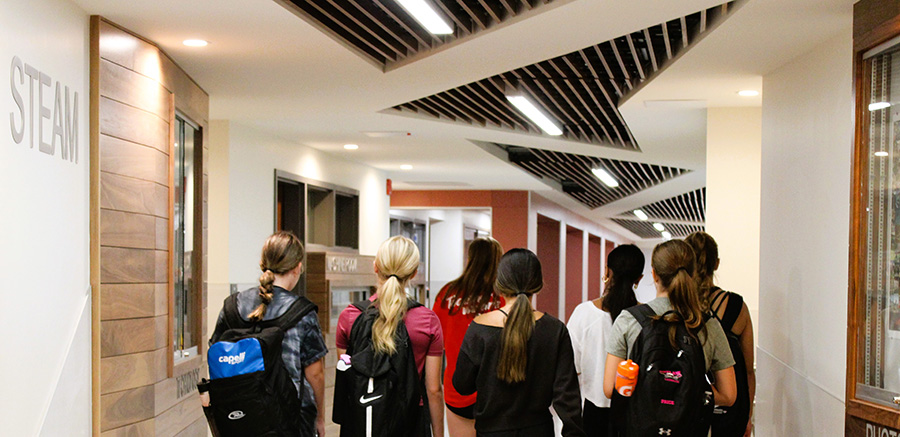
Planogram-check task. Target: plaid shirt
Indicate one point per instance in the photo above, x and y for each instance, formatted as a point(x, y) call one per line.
point(302, 345)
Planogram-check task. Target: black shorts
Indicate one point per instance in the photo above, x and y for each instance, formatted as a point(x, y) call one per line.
point(464, 412)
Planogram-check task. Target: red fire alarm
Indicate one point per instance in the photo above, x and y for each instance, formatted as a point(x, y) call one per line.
point(389, 187)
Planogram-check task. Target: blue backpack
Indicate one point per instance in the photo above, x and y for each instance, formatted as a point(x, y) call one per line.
point(251, 392)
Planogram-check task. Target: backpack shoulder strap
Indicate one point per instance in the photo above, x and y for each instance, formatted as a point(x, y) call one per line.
point(642, 313)
point(297, 311)
point(411, 303)
point(232, 314)
point(718, 298)
point(732, 311)
point(362, 305)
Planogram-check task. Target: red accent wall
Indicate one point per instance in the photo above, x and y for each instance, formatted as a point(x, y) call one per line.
point(595, 253)
point(509, 209)
point(548, 253)
point(574, 268)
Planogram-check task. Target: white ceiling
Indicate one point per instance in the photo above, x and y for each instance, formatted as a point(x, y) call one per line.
point(271, 70)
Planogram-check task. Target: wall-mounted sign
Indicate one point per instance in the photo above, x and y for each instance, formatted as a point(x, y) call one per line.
point(56, 113)
point(341, 264)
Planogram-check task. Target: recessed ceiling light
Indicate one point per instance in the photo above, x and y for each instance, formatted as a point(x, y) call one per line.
point(881, 153)
point(605, 177)
point(351, 146)
point(748, 93)
point(640, 214)
point(426, 16)
point(659, 227)
point(666, 235)
point(195, 43)
point(534, 114)
point(405, 167)
point(879, 105)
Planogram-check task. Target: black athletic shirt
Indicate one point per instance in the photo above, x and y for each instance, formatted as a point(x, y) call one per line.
point(550, 378)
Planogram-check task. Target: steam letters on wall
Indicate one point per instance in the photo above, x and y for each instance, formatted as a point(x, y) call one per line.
point(31, 91)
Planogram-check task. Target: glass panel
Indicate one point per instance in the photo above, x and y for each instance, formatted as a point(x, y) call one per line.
point(879, 350)
point(183, 238)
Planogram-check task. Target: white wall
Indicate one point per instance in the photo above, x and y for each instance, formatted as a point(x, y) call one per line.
point(733, 149)
point(45, 373)
point(253, 157)
point(446, 242)
point(218, 273)
point(807, 130)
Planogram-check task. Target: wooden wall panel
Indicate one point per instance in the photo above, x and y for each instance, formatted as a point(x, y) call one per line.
point(128, 301)
point(133, 160)
point(132, 124)
point(137, 90)
point(126, 407)
point(129, 336)
point(122, 193)
point(132, 371)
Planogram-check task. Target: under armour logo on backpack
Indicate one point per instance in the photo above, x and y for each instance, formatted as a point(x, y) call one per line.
point(665, 431)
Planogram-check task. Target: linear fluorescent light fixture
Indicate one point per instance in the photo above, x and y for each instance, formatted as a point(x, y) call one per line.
point(605, 177)
point(879, 105)
point(666, 235)
point(881, 153)
point(641, 214)
point(426, 16)
point(659, 227)
point(535, 114)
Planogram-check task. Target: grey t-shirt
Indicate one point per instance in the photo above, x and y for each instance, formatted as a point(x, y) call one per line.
point(626, 329)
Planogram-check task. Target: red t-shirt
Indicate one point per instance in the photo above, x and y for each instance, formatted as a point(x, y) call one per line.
point(454, 328)
point(421, 323)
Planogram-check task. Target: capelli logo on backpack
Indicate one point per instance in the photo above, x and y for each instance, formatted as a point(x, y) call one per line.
point(233, 359)
point(235, 415)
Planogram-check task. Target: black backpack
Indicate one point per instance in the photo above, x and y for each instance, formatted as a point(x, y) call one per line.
point(672, 396)
point(732, 421)
point(251, 392)
point(379, 395)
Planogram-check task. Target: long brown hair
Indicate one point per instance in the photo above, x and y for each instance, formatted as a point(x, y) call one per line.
point(281, 253)
point(397, 261)
point(673, 262)
point(518, 277)
point(707, 252)
point(473, 291)
point(626, 265)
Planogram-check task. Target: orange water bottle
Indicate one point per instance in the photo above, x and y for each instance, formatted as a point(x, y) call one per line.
point(626, 377)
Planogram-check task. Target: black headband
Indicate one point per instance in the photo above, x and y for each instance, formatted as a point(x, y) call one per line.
point(395, 276)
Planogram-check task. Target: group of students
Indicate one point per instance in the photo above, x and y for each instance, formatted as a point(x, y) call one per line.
point(486, 354)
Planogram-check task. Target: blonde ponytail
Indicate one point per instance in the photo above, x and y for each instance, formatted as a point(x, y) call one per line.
point(396, 262)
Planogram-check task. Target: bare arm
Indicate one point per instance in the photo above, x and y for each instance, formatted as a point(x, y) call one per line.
point(435, 393)
point(725, 390)
point(609, 377)
point(315, 374)
point(749, 358)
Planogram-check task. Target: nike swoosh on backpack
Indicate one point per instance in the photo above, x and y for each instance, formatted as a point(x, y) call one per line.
point(364, 400)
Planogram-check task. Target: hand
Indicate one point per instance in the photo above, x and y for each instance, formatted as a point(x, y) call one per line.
point(749, 430)
point(320, 426)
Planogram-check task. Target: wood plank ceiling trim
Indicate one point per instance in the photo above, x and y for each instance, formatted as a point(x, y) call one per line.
point(582, 90)
point(573, 173)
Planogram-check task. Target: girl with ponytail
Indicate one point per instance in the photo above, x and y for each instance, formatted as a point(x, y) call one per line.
point(731, 311)
point(396, 262)
point(677, 301)
point(303, 347)
point(519, 360)
point(592, 321)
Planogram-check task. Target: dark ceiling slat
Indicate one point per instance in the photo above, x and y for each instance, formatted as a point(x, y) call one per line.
point(439, 102)
point(557, 111)
point(573, 77)
point(426, 45)
point(472, 103)
point(495, 86)
point(356, 33)
point(586, 180)
point(371, 27)
point(492, 100)
point(585, 84)
point(427, 102)
point(402, 39)
point(418, 104)
point(463, 105)
point(615, 50)
point(491, 12)
point(475, 18)
point(609, 73)
point(510, 10)
point(649, 39)
point(466, 28)
point(636, 56)
point(578, 110)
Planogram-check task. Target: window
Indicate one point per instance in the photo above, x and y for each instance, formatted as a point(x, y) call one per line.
point(187, 136)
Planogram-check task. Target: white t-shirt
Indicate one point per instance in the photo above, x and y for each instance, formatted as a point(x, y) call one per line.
point(588, 327)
